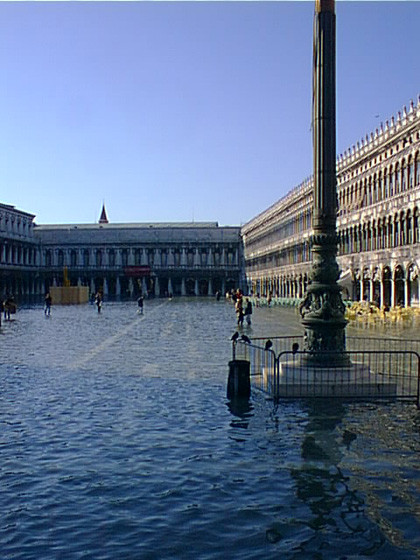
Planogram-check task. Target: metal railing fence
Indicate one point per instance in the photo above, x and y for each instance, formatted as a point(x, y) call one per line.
point(379, 369)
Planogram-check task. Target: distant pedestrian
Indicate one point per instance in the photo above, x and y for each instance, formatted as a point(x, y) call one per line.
point(239, 311)
point(248, 311)
point(9, 307)
point(140, 303)
point(98, 301)
point(48, 303)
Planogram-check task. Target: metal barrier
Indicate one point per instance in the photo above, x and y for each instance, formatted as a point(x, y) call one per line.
point(378, 369)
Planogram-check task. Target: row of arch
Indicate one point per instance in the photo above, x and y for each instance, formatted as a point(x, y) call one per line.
point(387, 285)
point(392, 180)
point(99, 257)
point(395, 230)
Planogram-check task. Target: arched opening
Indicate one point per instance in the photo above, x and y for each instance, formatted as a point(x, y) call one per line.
point(386, 281)
point(399, 286)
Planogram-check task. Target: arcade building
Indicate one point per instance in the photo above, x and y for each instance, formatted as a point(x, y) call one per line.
point(121, 260)
point(378, 189)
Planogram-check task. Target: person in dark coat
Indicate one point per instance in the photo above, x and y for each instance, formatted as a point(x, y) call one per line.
point(248, 311)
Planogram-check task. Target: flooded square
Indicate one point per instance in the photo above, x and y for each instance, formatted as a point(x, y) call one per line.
point(117, 441)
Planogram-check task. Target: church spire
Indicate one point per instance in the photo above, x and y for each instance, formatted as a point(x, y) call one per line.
point(104, 218)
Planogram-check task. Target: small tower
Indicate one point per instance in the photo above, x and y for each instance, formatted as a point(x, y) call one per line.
point(104, 218)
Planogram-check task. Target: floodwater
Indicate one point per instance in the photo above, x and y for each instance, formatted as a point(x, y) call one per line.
point(117, 442)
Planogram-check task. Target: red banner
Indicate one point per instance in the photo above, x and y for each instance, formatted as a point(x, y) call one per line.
point(137, 271)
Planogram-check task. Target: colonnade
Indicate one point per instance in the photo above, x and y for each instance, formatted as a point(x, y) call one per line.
point(134, 256)
point(387, 284)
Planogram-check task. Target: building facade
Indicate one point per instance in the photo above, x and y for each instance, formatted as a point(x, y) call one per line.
point(378, 189)
point(19, 254)
point(122, 260)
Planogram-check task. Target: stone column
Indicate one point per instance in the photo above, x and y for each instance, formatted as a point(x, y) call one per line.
point(418, 291)
point(196, 290)
point(117, 287)
point(406, 292)
point(183, 291)
point(105, 287)
point(129, 256)
point(382, 290)
point(171, 260)
point(183, 257)
point(144, 286)
point(210, 287)
point(392, 291)
point(371, 290)
point(170, 288)
point(157, 287)
point(322, 309)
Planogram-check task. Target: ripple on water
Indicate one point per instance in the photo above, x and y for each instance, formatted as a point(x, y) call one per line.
point(116, 441)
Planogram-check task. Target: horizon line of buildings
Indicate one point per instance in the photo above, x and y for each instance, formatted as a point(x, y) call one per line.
point(378, 189)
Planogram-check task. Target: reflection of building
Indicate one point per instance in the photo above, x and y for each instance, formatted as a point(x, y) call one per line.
point(121, 259)
point(378, 186)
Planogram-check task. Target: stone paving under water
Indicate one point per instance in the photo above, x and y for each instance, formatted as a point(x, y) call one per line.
point(117, 441)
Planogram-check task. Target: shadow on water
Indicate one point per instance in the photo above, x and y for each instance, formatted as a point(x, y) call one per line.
point(241, 410)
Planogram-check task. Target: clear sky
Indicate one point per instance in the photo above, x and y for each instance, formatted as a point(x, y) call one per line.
point(180, 111)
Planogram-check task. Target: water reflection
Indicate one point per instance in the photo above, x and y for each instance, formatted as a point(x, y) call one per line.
point(322, 486)
point(138, 439)
point(241, 409)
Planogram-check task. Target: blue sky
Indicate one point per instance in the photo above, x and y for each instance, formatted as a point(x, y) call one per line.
point(179, 111)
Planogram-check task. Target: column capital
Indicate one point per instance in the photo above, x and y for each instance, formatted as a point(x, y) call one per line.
point(324, 6)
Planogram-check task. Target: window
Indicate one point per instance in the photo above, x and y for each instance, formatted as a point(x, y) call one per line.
point(410, 173)
point(403, 177)
point(397, 179)
point(190, 257)
point(380, 194)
